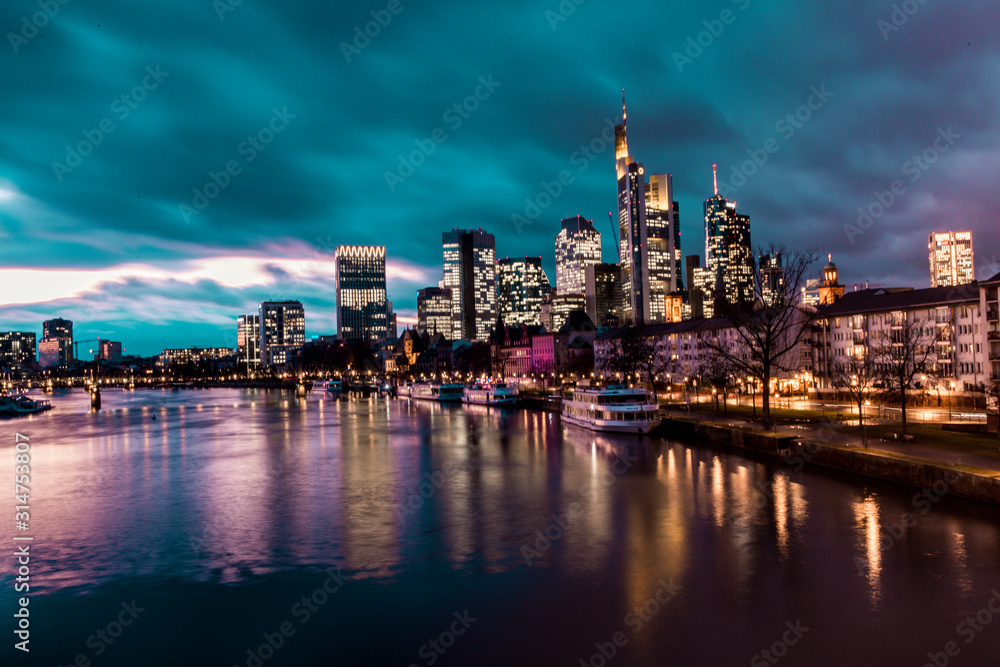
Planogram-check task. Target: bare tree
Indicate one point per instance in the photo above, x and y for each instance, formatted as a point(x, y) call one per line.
point(767, 333)
point(859, 377)
point(717, 371)
point(632, 354)
point(902, 352)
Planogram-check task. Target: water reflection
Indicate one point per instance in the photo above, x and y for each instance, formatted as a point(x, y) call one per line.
point(228, 485)
point(866, 512)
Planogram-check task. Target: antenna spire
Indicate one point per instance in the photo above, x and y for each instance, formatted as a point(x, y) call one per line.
point(624, 114)
point(715, 180)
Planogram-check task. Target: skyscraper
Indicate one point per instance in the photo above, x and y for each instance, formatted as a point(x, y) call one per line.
point(578, 245)
point(17, 349)
point(696, 297)
point(56, 346)
point(604, 293)
point(282, 331)
point(650, 256)
point(248, 341)
point(772, 280)
point(663, 241)
point(522, 284)
point(470, 274)
point(434, 312)
point(951, 258)
point(362, 305)
point(727, 248)
point(561, 306)
point(57, 328)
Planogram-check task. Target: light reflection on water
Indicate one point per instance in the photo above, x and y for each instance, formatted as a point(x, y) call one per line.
point(226, 486)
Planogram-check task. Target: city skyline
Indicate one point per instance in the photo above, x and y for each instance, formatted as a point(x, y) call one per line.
point(94, 239)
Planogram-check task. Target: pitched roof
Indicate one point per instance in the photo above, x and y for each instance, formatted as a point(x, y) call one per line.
point(577, 320)
point(892, 300)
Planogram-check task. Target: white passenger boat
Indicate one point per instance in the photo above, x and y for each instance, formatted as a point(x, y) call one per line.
point(491, 393)
point(329, 388)
point(16, 405)
point(434, 391)
point(615, 409)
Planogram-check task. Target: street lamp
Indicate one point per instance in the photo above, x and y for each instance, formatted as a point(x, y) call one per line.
point(952, 391)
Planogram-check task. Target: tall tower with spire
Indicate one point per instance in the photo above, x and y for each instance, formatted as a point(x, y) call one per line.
point(632, 228)
point(648, 222)
point(727, 246)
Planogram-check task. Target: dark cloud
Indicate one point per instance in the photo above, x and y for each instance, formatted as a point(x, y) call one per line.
point(322, 180)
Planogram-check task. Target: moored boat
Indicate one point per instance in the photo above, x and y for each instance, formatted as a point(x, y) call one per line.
point(491, 393)
point(15, 405)
point(434, 391)
point(329, 388)
point(614, 409)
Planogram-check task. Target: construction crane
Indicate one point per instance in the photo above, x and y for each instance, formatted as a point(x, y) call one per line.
point(76, 346)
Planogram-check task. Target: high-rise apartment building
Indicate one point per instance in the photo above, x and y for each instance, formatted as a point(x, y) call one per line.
point(603, 290)
point(109, 350)
point(470, 274)
point(951, 258)
point(248, 341)
point(56, 347)
point(521, 286)
point(727, 248)
point(57, 328)
point(434, 312)
point(578, 245)
point(282, 331)
point(17, 349)
point(362, 302)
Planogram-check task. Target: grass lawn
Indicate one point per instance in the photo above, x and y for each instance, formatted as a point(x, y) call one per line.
point(928, 435)
point(932, 435)
point(746, 412)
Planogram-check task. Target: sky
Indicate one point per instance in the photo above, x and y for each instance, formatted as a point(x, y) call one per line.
point(166, 166)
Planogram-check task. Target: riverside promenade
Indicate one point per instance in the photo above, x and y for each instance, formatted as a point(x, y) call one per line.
point(977, 476)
